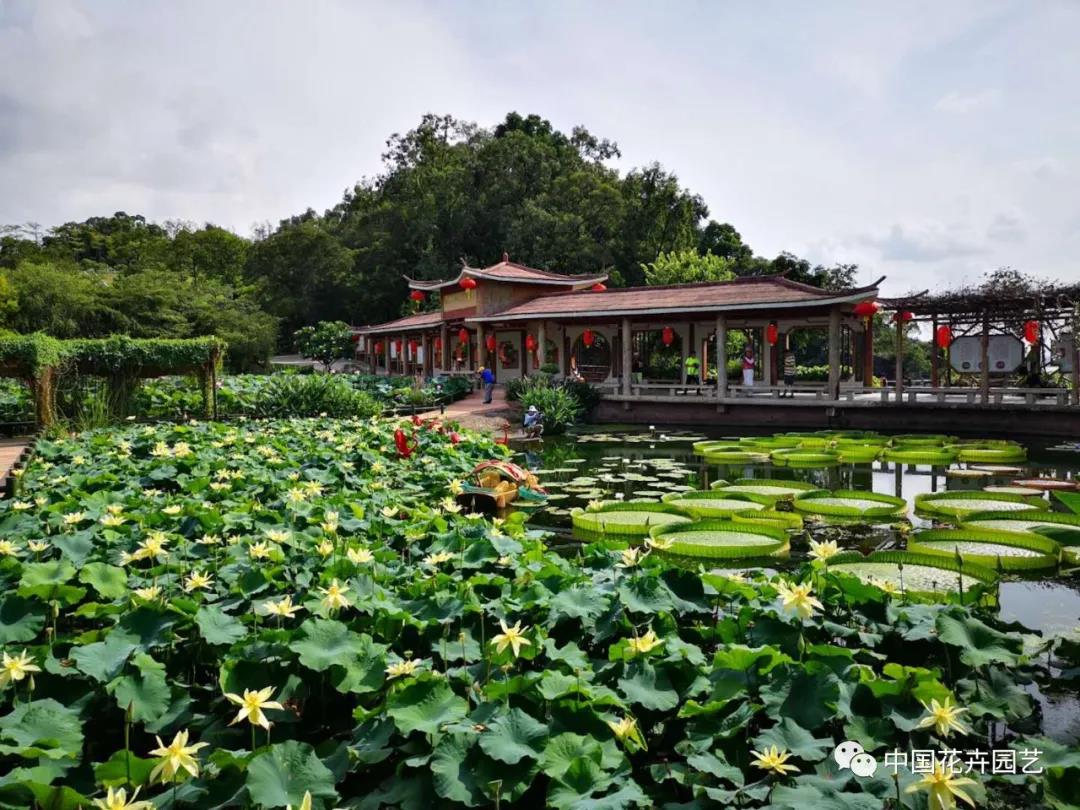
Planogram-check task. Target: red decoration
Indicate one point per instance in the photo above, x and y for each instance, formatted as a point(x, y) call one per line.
point(468, 283)
point(667, 336)
point(455, 437)
point(378, 347)
point(943, 337)
point(416, 295)
point(1031, 331)
point(412, 347)
point(867, 309)
point(490, 343)
point(587, 337)
point(355, 338)
point(904, 316)
point(463, 335)
point(530, 343)
point(772, 334)
point(598, 287)
point(397, 345)
point(402, 444)
point(438, 344)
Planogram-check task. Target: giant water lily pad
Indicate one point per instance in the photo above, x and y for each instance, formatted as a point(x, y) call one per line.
point(956, 504)
point(710, 503)
point(915, 574)
point(1011, 551)
point(850, 504)
point(720, 539)
point(626, 518)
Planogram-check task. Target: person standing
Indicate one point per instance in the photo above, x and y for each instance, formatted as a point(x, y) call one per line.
point(488, 380)
point(693, 369)
point(789, 371)
point(748, 363)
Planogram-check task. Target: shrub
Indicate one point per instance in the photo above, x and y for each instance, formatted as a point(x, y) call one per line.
point(326, 342)
point(312, 395)
point(561, 408)
point(587, 396)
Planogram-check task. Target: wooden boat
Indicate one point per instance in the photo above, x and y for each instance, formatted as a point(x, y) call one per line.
point(498, 484)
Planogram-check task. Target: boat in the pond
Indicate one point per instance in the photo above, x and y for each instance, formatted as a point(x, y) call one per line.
point(498, 484)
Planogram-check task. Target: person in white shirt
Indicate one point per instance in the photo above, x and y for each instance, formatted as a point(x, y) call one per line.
point(748, 363)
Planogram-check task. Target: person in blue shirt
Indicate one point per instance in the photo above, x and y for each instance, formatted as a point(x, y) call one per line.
point(533, 423)
point(488, 379)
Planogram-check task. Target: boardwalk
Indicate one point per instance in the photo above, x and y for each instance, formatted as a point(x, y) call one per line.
point(10, 449)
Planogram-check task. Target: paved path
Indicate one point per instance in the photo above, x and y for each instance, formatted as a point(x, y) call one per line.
point(472, 413)
point(10, 449)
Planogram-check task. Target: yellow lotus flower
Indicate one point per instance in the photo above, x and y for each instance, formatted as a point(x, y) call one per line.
point(114, 508)
point(40, 500)
point(944, 717)
point(37, 546)
point(630, 557)
point(173, 509)
point(325, 548)
point(403, 668)
point(456, 487)
point(117, 800)
point(296, 495)
point(149, 594)
point(513, 637)
point(305, 803)
point(74, 518)
point(438, 558)
point(334, 597)
point(331, 517)
point(252, 704)
point(209, 540)
point(774, 760)
point(15, 669)
point(258, 551)
point(450, 505)
point(627, 732)
point(798, 598)
point(328, 527)
point(153, 546)
point(21, 506)
point(506, 561)
point(276, 535)
point(886, 585)
point(175, 756)
point(659, 544)
point(160, 450)
point(824, 550)
point(181, 450)
point(359, 556)
point(944, 788)
point(198, 580)
point(8, 549)
point(112, 521)
point(645, 643)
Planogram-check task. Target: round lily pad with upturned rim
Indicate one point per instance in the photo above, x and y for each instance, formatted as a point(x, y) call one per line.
point(626, 518)
point(722, 539)
point(850, 503)
point(769, 490)
point(711, 503)
point(925, 576)
point(962, 503)
point(1009, 551)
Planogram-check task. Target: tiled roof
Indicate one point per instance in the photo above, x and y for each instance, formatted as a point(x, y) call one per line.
point(421, 320)
point(507, 270)
point(754, 292)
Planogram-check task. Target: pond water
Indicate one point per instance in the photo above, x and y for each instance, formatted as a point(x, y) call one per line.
point(610, 463)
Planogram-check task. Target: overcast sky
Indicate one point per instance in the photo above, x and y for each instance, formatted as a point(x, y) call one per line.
point(924, 141)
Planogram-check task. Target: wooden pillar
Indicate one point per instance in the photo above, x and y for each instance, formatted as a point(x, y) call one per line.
point(1074, 351)
point(684, 346)
point(899, 356)
point(386, 347)
point(627, 360)
point(868, 352)
point(541, 344)
point(444, 336)
point(984, 362)
point(766, 359)
point(834, 353)
point(935, 352)
point(481, 348)
point(721, 356)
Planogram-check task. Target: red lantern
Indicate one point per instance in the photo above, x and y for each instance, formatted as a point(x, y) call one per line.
point(438, 344)
point(397, 345)
point(463, 335)
point(943, 337)
point(598, 287)
point(468, 283)
point(416, 295)
point(772, 334)
point(587, 337)
point(903, 316)
point(490, 343)
point(667, 336)
point(412, 347)
point(378, 347)
point(1031, 331)
point(530, 343)
point(867, 309)
point(355, 338)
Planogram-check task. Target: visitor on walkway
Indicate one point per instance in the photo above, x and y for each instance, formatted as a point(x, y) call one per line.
point(693, 366)
point(789, 371)
point(748, 363)
point(488, 380)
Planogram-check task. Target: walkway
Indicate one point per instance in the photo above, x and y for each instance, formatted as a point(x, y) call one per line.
point(472, 413)
point(10, 450)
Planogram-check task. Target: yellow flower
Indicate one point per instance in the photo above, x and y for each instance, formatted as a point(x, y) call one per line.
point(798, 599)
point(389, 512)
point(456, 487)
point(823, 550)
point(198, 580)
point(21, 506)
point(506, 561)
point(283, 607)
point(403, 668)
point(258, 551)
point(8, 549)
point(152, 546)
point(334, 596)
point(209, 540)
point(305, 803)
point(772, 759)
point(645, 643)
point(73, 518)
point(114, 508)
point(359, 556)
point(252, 704)
point(37, 546)
point(160, 450)
point(325, 548)
point(41, 500)
point(660, 545)
point(513, 637)
point(118, 800)
point(631, 557)
point(438, 558)
point(627, 732)
point(276, 535)
point(181, 449)
point(296, 495)
point(450, 505)
point(174, 509)
point(886, 585)
point(944, 788)
point(112, 521)
point(149, 594)
point(175, 756)
point(328, 527)
point(15, 669)
point(944, 717)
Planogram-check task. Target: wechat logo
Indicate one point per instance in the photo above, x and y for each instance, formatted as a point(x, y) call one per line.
point(850, 755)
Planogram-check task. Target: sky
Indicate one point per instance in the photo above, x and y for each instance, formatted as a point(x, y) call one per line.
point(927, 142)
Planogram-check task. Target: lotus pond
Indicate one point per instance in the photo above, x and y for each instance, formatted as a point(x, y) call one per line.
point(298, 613)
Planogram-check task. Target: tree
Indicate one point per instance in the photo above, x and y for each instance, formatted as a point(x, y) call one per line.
point(721, 239)
point(687, 267)
point(327, 342)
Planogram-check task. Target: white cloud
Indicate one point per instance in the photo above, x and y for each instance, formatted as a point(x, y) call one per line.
point(956, 102)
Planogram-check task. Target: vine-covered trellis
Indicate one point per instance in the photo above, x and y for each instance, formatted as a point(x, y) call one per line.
point(40, 360)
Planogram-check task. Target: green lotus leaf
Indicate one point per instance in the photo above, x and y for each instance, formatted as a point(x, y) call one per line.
point(644, 685)
point(787, 735)
point(56, 572)
point(41, 728)
point(578, 602)
point(961, 504)
point(20, 619)
point(426, 706)
point(807, 698)
point(977, 642)
point(114, 771)
point(103, 660)
point(145, 693)
point(851, 503)
point(109, 581)
point(281, 776)
point(513, 736)
point(1011, 551)
point(218, 627)
point(76, 547)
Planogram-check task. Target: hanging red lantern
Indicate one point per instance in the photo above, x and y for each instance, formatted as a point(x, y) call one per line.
point(463, 335)
point(772, 334)
point(667, 336)
point(378, 347)
point(355, 338)
point(530, 343)
point(468, 283)
point(416, 295)
point(397, 345)
point(598, 287)
point(412, 347)
point(903, 316)
point(490, 343)
point(943, 337)
point(1031, 331)
point(438, 344)
point(587, 337)
point(867, 309)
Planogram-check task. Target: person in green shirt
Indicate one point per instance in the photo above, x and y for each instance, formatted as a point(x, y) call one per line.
point(693, 368)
